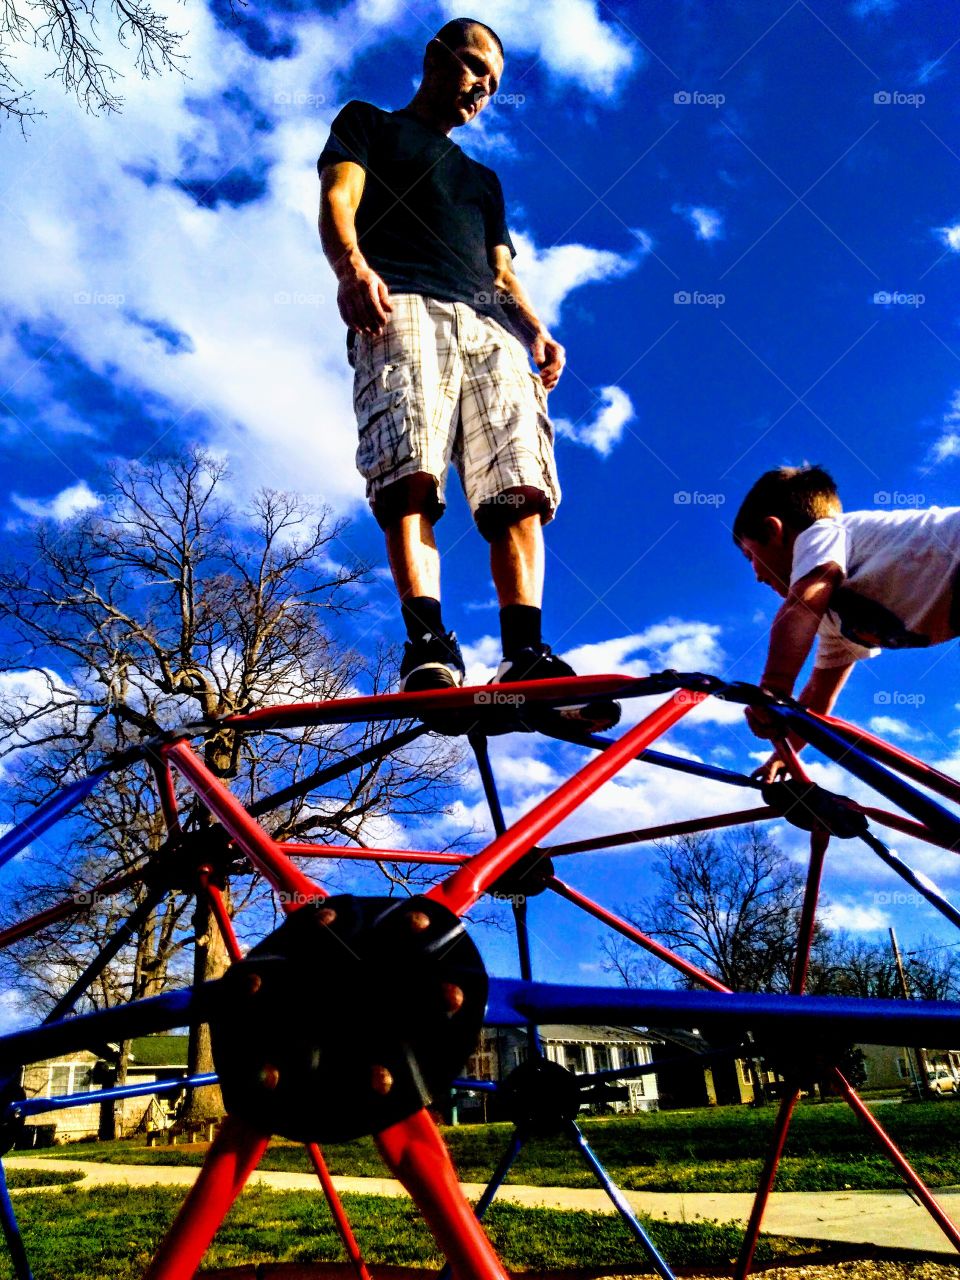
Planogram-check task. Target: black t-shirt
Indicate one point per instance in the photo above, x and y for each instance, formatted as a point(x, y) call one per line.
point(429, 215)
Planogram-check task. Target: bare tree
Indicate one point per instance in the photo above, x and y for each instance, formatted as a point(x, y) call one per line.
point(730, 902)
point(68, 30)
point(164, 607)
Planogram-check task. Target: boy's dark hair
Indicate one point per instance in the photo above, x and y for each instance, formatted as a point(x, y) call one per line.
point(796, 495)
point(454, 33)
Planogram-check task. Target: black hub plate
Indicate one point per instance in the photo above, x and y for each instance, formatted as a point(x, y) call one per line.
point(351, 1016)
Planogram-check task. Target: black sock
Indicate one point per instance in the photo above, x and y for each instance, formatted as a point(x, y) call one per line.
point(421, 615)
point(520, 628)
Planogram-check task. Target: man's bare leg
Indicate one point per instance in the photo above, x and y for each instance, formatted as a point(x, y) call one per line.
point(516, 563)
point(414, 559)
point(411, 547)
point(432, 658)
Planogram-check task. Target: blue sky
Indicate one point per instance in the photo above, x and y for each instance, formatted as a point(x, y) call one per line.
point(741, 220)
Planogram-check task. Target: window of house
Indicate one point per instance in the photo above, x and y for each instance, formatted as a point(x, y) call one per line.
point(601, 1057)
point(59, 1081)
point(82, 1078)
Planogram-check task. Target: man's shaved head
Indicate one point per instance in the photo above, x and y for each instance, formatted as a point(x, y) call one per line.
point(457, 32)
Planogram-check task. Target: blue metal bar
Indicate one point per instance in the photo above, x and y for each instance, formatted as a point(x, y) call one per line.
point(650, 1068)
point(335, 771)
point(620, 1201)
point(663, 758)
point(940, 820)
point(481, 1086)
point(46, 815)
point(11, 1231)
point(478, 741)
point(936, 1023)
point(492, 1187)
point(120, 938)
point(158, 1013)
point(36, 1106)
point(922, 885)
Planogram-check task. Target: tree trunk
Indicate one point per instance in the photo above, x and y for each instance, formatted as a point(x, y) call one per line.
point(210, 961)
point(110, 1126)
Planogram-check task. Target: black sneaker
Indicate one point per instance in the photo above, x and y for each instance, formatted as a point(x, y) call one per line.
point(543, 664)
point(432, 662)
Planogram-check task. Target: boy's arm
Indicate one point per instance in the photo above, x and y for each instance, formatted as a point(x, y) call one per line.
point(548, 355)
point(363, 298)
point(820, 694)
point(792, 635)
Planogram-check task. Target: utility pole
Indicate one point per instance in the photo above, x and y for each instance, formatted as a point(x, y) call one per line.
point(921, 1057)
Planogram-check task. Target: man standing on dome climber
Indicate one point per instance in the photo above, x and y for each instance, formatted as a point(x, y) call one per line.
point(416, 234)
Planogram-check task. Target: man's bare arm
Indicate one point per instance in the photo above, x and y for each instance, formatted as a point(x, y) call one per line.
point(548, 355)
point(363, 298)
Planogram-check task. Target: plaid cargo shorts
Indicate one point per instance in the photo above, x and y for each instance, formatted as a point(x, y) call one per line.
point(444, 384)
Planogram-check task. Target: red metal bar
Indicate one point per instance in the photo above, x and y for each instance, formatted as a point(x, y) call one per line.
point(167, 794)
point(635, 935)
point(220, 914)
point(403, 706)
point(906, 764)
point(415, 1153)
point(355, 854)
point(819, 840)
point(294, 888)
point(341, 1221)
point(765, 1186)
point(665, 830)
point(900, 1162)
point(69, 906)
point(233, 1156)
point(461, 890)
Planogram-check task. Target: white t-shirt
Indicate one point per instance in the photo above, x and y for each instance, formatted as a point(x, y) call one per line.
point(900, 578)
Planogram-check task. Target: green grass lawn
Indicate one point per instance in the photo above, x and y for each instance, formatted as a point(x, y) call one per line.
point(17, 1178)
point(110, 1233)
point(704, 1150)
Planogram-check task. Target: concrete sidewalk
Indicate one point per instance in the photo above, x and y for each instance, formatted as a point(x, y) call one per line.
point(887, 1218)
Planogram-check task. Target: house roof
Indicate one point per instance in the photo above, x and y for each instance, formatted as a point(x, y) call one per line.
point(159, 1051)
point(568, 1033)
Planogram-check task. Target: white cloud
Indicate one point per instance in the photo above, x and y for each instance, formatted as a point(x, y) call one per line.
point(872, 8)
point(549, 275)
point(891, 727)
point(948, 445)
point(853, 917)
point(604, 430)
point(707, 223)
point(949, 236)
point(567, 35)
point(63, 506)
